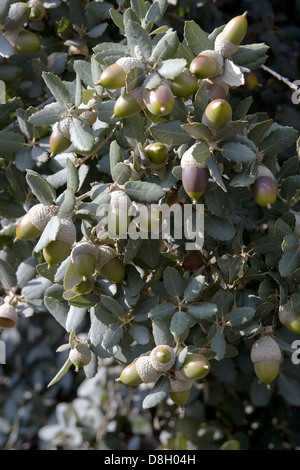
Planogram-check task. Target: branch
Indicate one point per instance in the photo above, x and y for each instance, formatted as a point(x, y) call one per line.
point(280, 77)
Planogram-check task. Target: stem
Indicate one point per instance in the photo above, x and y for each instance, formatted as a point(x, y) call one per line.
point(280, 77)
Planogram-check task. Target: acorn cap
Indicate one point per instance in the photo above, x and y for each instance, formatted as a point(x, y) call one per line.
point(67, 231)
point(188, 159)
point(262, 170)
point(286, 312)
point(80, 355)
point(129, 63)
point(104, 255)
point(63, 127)
point(178, 385)
point(265, 349)
point(84, 247)
point(219, 59)
point(39, 216)
point(225, 47)
point(162, 366)
point(120, 200)
point(145, 370)
point(8, 316)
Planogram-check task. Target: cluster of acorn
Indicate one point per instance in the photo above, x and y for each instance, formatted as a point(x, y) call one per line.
point(161, 360)
point(23, 40)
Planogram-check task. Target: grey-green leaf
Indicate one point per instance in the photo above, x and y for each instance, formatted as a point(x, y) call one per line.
point(158, 393)
point(173, 282)
point(43, 190)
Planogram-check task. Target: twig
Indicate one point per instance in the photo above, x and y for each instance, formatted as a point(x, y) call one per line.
point(293, 86)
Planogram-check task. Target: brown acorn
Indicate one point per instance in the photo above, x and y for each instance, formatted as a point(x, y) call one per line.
point(194, 175)
point(160, 100)
point(264, 189)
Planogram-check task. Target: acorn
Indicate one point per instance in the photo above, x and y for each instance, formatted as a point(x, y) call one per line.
point(85, 286)
point(288, 317)
point(118, 218)
point(112, 77)
point(264, 189)
point(207, 64)
point(217, 113)
point(162, 358)
point(228, 41)
point(130, 376)
point(266, 356)
point(126, 106)
point(80, 355)
point(145, 370)
point(216, 88)
point(109, 265)
point(194, 175)
point(180, 390)
point(157, 153)
point(32, 224)
point(184, 85)
point(250, 81)
point(59, 139)
point(84, 258)
point(27, 42)
point(195, 366)
point(37, 10)
point(160, 100)
point(8, 316)
point(59, 249)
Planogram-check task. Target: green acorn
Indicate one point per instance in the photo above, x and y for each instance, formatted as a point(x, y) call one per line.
point(32, 224)
point(288, 317)
point(27, 42)
point(180, 390)
point(80, 355)
point(59, 249)
point(184, 85)
point(60, 138)
point(160, 100)
point(109, 265)
point(251, 81)
point(157, 153)
point(8, 316)
point(195, 366)
point(217, 113)
point(112, 77)
point(85, 286)
point(228, 41)
point(126, 106)
point(266, 357)
point(264, 189)
point(194, 175)
point(207, 64)
point(162, 358)
point(84, 258)
point(37, 10)
point(130, 376)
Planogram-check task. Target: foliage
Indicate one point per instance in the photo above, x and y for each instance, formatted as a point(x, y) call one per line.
point(217, 299)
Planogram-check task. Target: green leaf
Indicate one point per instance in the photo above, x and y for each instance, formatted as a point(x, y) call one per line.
point(134, 282)
point(81, 135)
point(170, 133)
point(50, 114)
point(194, 288)
point(198, 131)
point(71, 277)
point(161, 332)
point(218, 228)
point(134, 130)
point(200, 102)
point(230, 130)
point(179, 324)
point(163, 311)
point(57, 88)
point(200, 152)
point(57, 309)
point(195, 38)
point(49, 234)
point(289, 167)
point(7, 275)
point(166, 47)
point(171, 68)
point(278, 140)
point(137, 36)
point(112, 336)
point(214, 172)
point(10, 209)
point(26, 271)
point(158, 393)
point(112, 305)
point(203, 310)
point(64, 369)
point(140, 333)
point(83, 69)
point(289, 389)
point(131, 249)
point(241, 315)
point(43, 190)
point(10, 142)
point(237, 152)
point(156, 11)
point(73, 178)
point(257, 131)
point(173, 282)
point(218, 345)
point(288, 263)
point(139, 7)
point(117, 18)
point(251, 56)
point(144, 192)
